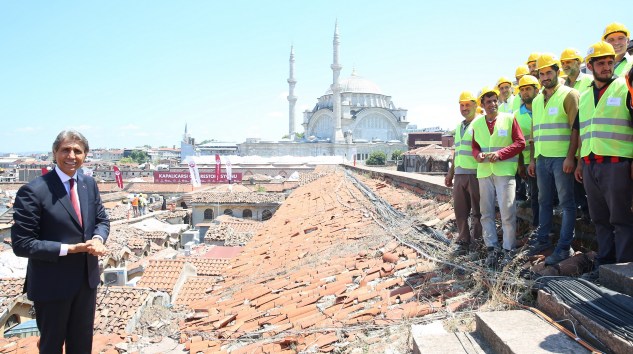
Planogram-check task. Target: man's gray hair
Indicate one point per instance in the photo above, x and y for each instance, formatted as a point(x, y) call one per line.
point(72, 135)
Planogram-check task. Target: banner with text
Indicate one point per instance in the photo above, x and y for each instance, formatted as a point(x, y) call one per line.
point(206, 176)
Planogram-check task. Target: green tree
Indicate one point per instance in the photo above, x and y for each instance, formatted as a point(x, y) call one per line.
point(396, 155)
point(126, 160)
point(139, 156)
point(376, 158)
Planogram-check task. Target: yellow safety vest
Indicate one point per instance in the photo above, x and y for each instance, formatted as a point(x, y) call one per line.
point(605, 128)
point(551, 128)
point(583, 82)
point(507, 106)
point(465, 163)
point(517, 103)
point(525, 122)
point(623, 67)
point(501, 137)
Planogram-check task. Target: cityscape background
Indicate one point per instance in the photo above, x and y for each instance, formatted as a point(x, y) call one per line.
point(133, 73)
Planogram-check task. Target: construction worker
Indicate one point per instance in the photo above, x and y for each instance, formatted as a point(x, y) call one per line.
point(505, 95)
point(497, 140)
point(618, 36)
point(528, 90)
point(570, 60)
point(553, 162)
point(462, 176)
point(531, 63)
point(518, 74)
point(606, 150)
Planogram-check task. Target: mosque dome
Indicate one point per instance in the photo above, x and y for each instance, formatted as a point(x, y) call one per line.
point(357, 84)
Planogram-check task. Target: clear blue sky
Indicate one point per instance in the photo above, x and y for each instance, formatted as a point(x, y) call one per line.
point(129, 73)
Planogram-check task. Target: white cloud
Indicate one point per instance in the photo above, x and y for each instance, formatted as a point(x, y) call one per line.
point(275, 114)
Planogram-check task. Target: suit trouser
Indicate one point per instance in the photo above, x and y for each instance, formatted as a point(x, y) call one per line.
point(505, 189)
point(466, 203)
point(609, 191)
point(68, 321)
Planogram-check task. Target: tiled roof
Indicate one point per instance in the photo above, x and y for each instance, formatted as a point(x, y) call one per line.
point(321, 263)
point(116, 305)
point(233, 231)
point(238, 197)
point(163, 274)
point(222, 252)
point(195, 288)
point(101, 343)
point(433, 149)
point(11, 287)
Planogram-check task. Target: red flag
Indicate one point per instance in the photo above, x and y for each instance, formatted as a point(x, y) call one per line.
point(44, 170)
point(218, 163)
point(118, 177)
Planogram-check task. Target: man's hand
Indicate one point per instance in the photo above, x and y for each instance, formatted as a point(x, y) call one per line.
point(522, 171)
point(578, 172)
point(493, 156)
point(448, 180)
point(568, 164)
point(532, 169)
point(480, 157)
point(78, 248)
point(96, 248)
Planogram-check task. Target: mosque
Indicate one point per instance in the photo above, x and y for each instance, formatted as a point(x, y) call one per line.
point(352, 119)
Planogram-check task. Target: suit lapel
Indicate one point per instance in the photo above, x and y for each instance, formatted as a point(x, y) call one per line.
point(61, 194)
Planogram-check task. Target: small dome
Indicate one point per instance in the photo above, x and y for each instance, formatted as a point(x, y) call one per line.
point(357, 84)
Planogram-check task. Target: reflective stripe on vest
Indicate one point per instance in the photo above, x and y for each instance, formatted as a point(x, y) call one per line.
point(525, 122)
point(605, 128)
point(551, 128)
point(465, 163)
point(495, 142)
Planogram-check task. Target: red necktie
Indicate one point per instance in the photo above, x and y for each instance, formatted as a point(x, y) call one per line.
point(74, 201)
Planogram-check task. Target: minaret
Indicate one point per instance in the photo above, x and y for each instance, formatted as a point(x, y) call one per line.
point(185, 136)
point(292, 99)
point(336, 88)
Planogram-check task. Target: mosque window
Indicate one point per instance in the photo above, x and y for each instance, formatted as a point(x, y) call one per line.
point(208, 214)
point(228, 212)
point(247, 214)
point(266, 214)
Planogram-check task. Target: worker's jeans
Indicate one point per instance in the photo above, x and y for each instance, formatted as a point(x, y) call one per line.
point(551, 179)
point(505, 189)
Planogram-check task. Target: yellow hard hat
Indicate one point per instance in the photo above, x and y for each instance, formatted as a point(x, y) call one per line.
point(529, 80)
point(521, 70)
point(484, 91)
point(503, 80)
point(571, 53)
point(466, 96)
point(615, 27)
point(600, 49)
point(533, 57)
point(545, 60)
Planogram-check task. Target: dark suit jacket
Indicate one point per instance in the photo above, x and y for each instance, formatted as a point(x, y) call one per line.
point(44, 219)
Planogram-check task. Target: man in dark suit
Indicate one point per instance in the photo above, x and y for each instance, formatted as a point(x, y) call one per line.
point(61, 226)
